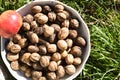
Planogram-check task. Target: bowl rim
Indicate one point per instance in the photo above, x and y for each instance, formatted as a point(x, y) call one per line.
point(88, 41)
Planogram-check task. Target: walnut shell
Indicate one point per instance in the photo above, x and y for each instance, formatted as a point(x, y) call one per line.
point(28, 18)
point(60, 71)
point(42, 78)
point(76, 51)
point(69, 59)
point(62, 45)
point(14, 65)
point(16, 38)
point(34, 57)
point(56, 27)
point(74, 23)
point(73, 33)
point(61, 17)
point(52, 66)
point(36, 74)
point(33, 24)
point(9, 45)
point(80, 41)
point(46, 9)
point(77, 61)
point(42, 49)
point(37, 66)
point(32, 48)
point(70, 69)
point(42, 18)
point(26, 26)
point(36, 9)
point(69, 42)
point(44, 61)
point(15, 48)
point(51, 48)
point(12, 57)
point(22, 42)
point(52, 76)
point(28, 73)
point(56, 56)
point(51, 16)
point(59, 8)
point(63, 33)
point(66, 23)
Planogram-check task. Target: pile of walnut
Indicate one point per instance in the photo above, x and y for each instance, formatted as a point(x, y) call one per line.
point(47, 46)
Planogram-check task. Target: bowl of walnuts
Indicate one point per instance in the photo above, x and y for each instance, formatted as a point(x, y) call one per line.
point(52, 44)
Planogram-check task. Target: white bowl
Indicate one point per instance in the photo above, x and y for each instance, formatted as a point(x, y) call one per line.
point(83, 31)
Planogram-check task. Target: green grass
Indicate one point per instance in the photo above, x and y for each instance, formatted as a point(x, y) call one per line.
point(103, 19)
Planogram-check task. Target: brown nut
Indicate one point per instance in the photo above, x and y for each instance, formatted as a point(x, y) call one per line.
point(69, 42)
point(66, 13)
point(69, 59)
point(48, 31)
point(63, 33)
point(36, 9)
point(26, 26)
point(12, 57)
point(37, 66)
point(42, 78)
point(70, 69)
point(36, 74)
point(52, 38)
point(52, 66)
point(28, 73)
point(38, 30)
point(56, 56)
point(15, 65)
point(46, 9)
point(9, 45)
point(42, 49)
point(62, 45)
point(34, 57)
point(15, 48)
point(33, 37)
point(80, 41)
point(28, 18)
point(23, 67)
point(32, 48)
point(41, 18)
point(33, 24)
point(60, 71)
point(61, 17)
point(76, 51)
point(51, 48)
point(56, 27)
point(59, 8)
point(77, 61)
point(22, 42)
point(16, 38)
point(74, 23)
point(64, 54)
point(52, 76)
point(25, 58)
point(51, 16)
point(44, 61)
point(65, 23)
point(73, 33)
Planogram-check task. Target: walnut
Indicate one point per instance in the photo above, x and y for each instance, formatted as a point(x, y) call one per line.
point(34, 57)
point(46, 9)
point(61, 17)
point(62, 45)
point(26, 26)
point(59, 8)
point(9, 45)
point(28, 73)
point(36, 74)
point(28, 18)
point(44, 61)
point(36, 9)
point(14, 65)
point(66, 13)
point(80, 41)
point(64, 54)
point(41, 18)
point(25, 58)
point(16, 38)
point(33, 24)
point(70, 69)
point(38, 30)
point(69, 59)
point(42, 49)
point(77, 61)
point(52, 38)
point(56, 27)
point(65, 23)
point(52, 66)
point(51, 48)
point(15, 48)
point(63, 33)
point(22, 42)
point(73, 33)
point(74, 23)
point(12, 57)
point(32, 48)
point(48, 31)
point(69, 42)
point(56, 56)
point(42, 78)
point(52, 76)
point(23, 67)
point(76, 51)
point(60, 71)
point(51, 16)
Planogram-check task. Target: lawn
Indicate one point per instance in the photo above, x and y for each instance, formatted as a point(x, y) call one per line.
point(103, 20)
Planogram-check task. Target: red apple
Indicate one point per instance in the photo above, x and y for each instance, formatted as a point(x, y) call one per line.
point(10, 23)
